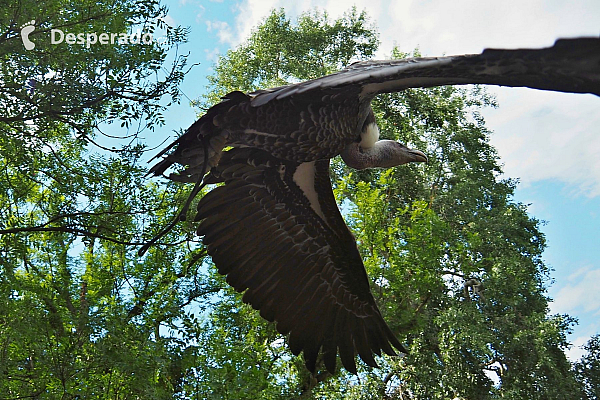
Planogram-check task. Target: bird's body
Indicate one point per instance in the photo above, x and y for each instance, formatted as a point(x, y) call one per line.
point(288, 129)
point(274, 228)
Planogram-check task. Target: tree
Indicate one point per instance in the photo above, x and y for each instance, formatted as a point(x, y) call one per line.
point(79, 313)
point(82, 85)
point(463, 258)
point(278, 51)
point(587, 368)
point(455, 263)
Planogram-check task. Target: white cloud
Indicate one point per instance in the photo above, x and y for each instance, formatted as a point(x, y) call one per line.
point(251, 13)
point(580, 294)
point(437, 26)
point(200, 13)
point(547, 135)
point(576, 351)
point(223, 30)
point(470, 26)
point(212, 54)
point(168, 19)
point(196, 4)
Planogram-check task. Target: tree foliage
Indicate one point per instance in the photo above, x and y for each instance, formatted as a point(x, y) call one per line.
point(79, 312)
point(455, 262)
point(462, 264)
point(588, 368)
point(279, 52)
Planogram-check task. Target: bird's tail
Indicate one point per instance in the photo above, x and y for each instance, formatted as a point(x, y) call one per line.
point(198, 150)
point(202, 139)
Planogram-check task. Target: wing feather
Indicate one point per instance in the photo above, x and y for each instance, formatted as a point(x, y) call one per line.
point(362, 346)
point(294, 266)
point(571, 65)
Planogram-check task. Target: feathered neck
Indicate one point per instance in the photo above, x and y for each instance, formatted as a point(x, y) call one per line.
point(371, 152)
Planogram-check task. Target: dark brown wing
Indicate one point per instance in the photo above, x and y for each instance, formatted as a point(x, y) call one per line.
point(318, 118)
point(571, 65)
point(275, 230)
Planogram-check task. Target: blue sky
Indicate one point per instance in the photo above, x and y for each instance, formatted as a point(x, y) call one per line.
point(550, 141)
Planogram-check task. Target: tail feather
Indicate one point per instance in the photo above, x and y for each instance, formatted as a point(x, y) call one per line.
point(189, 149)
point(198, 150)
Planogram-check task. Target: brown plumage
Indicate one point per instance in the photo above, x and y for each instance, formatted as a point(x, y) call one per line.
point(273, 227)
point(297, 267)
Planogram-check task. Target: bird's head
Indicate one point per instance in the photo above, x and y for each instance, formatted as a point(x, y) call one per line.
point(392, 153)
point(383, 154)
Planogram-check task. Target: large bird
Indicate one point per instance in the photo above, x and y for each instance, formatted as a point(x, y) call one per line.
point(274, 228)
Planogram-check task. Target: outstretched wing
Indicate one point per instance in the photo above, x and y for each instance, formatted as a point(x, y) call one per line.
point(275, 230)
point(571, 65)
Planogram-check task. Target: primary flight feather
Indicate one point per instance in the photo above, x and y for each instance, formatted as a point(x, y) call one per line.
point(274, 228)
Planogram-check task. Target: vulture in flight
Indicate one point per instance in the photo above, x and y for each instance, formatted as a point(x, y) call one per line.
point(273, 226)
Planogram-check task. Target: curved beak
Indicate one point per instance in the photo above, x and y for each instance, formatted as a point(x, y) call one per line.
point(417, 156)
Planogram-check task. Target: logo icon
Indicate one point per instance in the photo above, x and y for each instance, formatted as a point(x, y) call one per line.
point(25, 31)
